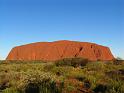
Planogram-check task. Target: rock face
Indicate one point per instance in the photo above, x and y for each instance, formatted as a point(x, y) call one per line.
point(60, 49)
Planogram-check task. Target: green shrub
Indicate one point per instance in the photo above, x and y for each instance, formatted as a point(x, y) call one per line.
point(118, 62)
point(80, 78)
point(96, 66)
point(39, 82)
point(75, 62)
point(48, 67)
point(46, 86)
point(116, 86)
point(62, 71)
point(10, 90)
point(70, 88)
point(100, 88)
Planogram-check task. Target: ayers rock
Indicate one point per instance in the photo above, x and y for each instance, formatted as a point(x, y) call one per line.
point(60, 49)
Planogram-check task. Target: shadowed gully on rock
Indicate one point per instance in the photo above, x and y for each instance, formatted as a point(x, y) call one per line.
point(52, 51)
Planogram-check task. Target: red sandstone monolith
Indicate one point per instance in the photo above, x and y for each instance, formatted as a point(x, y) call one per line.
point(60, 49)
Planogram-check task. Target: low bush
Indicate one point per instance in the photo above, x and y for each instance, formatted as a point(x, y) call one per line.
point(118, 62)
point(75, 62)
point(10, 90)
point(100, 88)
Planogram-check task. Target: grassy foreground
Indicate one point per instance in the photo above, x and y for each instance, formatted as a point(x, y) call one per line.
point(63, 76)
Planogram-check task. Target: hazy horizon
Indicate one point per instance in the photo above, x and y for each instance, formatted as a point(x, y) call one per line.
point(29, 21)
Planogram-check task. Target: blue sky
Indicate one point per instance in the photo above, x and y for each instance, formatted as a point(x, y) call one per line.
point(27, 21)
